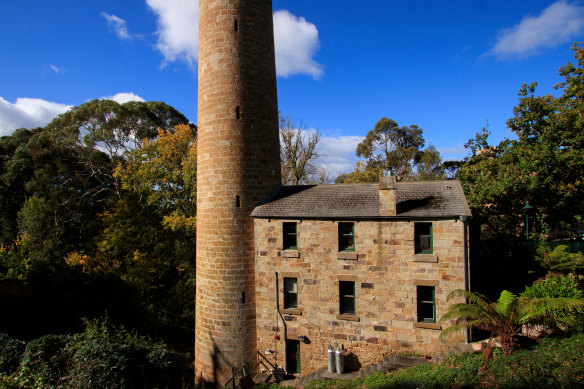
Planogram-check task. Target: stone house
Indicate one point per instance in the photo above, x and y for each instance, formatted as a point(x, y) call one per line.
point(368, 266)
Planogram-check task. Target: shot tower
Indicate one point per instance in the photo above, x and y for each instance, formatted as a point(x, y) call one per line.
point(238, 166)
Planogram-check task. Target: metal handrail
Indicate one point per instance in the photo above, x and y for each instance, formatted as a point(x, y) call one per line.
point(236, 371)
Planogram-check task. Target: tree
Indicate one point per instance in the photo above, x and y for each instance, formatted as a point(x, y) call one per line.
point(163, 172)
point(298, 153)
point(543, 166)
point(451, 168)
point(399, 151)
point(148, 233)
point(107, 127)
point(359, 174)
point(429, 164)
point(15, 171)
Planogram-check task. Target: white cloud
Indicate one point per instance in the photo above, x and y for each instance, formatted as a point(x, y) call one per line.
point(337, 153)
point(30, 112)
point(118, 25)
point(557, 24)
point(123, 97)
point(296, 42)
point(27, 113)
point(56, 69)
point(178, 33)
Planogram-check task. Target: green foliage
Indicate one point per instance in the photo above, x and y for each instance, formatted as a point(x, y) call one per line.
point(556, 302)
point(360, 173)
point(558, 260)
point(102, 357)
point(502, 319)
point(163, 172)
point(555, 287)
point(103, 196)
point(11, 351)
point(113, 127)
point(505, 318)
point(43, 363)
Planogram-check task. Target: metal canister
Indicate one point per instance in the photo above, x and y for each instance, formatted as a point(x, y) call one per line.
point(340, 363)
point(331, 359)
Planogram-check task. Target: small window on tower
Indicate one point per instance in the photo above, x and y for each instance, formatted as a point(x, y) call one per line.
point(235, 26)
point(237, 114)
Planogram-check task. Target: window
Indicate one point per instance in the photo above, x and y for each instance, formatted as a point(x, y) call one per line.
point(426, 304)
point(290, 293)
point(423, 238)
point(290, 236)
point(347, 297)
point(346, 236)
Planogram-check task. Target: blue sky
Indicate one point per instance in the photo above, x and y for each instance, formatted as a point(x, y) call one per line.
point(445, 66)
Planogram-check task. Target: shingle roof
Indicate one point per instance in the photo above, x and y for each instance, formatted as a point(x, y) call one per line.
point(414, 199)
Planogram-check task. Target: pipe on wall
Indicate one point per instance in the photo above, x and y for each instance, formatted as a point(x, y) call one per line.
point(465, 224)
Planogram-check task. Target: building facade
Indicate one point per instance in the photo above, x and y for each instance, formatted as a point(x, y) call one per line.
point(367, 266)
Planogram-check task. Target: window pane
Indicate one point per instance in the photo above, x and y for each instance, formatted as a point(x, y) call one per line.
point(289, 236)
point(290, 293)
point(426, 304)
point(425, 243)
point(426, 312)
point(423, 238)
point(346, 237)
point(347, 297)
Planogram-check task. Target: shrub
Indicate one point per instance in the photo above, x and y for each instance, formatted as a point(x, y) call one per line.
point(11, 351)
point(103, 357)
point(555, 287)
point(7, 382)
point(43, 363)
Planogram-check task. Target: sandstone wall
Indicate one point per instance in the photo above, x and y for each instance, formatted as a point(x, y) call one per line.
point(386, 272)
point(238, 166)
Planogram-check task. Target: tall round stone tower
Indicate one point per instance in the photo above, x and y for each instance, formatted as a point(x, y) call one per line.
point(238, 166)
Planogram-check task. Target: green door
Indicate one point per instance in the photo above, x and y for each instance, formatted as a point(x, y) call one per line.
point(293, 356)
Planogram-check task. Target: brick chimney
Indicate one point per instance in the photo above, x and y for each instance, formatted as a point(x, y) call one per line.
point(387, 195)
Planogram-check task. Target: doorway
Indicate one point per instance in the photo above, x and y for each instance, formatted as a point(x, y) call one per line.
point(292, 356)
